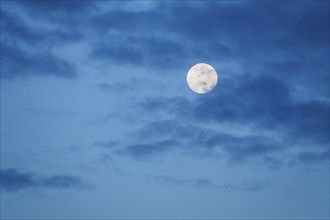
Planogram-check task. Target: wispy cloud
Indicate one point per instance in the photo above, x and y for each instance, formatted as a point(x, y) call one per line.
point(14, 180)
point(106, 145)
point(48, 112)
point(145, 150)
point(17, 62)
point(207, 183)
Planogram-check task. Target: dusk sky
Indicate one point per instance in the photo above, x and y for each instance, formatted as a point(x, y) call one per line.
point(97, 119)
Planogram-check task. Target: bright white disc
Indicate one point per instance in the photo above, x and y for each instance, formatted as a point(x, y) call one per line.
point(202, 78)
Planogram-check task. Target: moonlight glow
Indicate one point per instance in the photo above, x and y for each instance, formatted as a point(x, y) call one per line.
point(202, 78)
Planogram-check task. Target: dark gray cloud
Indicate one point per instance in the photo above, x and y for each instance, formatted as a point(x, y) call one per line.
point(14, 180)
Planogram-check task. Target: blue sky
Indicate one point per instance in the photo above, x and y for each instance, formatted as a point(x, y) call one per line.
point(97, 120)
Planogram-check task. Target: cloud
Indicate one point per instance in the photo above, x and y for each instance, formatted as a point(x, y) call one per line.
point(128, 21)
point(207, 183)
point(228, 25)
point(17, 31)
point(62, 181)
point(48, 112)
point(20, 63)
point(169, 35)
point(199, 182)
point(60, 7)
point(119, 54)
point(106, 145)
point(129, 85)
point(14, 180)
point(197, 141)
point(14, 28)
point(154, 51)
point(149, 149)
point(266, 103)
point(313, 157)
point(21, 59)
point(291, 52)
point(245, 148)
point(69, 15)
point(163, 104)
point(251, 149)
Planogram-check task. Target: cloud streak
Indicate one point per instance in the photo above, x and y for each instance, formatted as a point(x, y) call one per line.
point(207, 183)
point(13, 180)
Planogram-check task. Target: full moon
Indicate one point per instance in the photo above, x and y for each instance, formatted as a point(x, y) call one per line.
point(202, 78)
